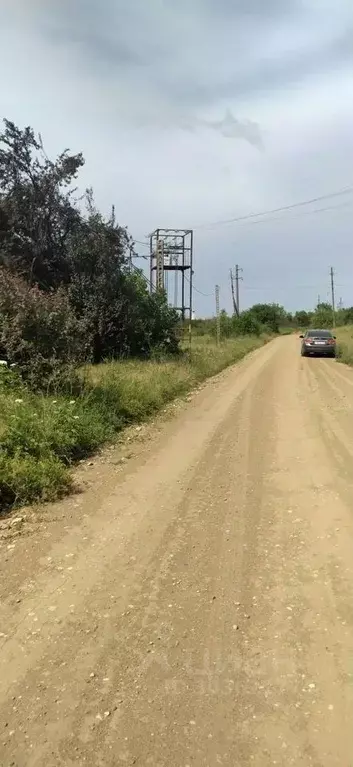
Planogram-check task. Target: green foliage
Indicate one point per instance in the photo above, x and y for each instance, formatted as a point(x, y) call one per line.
point(39, 331)
point(36, 207)
point(24, 479)
point(322, 317)
point(10, 381)
point(345, 316)
point(247, 324)
point(41, 436)
point(302, 319)
point(345, 344)
point(67, 293)
point(269, 315)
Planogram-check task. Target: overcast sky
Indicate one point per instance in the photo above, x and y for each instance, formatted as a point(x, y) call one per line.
point(193, 111)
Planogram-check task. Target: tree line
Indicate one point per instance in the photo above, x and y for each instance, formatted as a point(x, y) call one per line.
point(274, 318)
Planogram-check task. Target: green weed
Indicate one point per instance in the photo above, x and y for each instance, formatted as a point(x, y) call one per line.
point(41, 436)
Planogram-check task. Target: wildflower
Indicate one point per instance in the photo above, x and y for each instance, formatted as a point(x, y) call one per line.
point(72, 402)
point(54, 401)
point(18, 401)
point(76, 417)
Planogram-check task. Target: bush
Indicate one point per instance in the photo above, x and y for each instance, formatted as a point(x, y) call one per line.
point(24, 479)
point(41, 436)
point(10, 380)
point(247, 324)
point(39, 331)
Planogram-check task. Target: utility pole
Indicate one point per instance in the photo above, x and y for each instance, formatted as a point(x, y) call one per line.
point(235, 308)
point(218, 315)
point(160, 265)
point(318, 300)
point(333, 297)
point(237, 279)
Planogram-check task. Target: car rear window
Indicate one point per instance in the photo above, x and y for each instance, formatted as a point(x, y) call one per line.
point(319, 334)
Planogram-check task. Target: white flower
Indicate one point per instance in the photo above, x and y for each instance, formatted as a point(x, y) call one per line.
point(54, 401)
point(18, 401)
point(72, 402)
point(75, 417)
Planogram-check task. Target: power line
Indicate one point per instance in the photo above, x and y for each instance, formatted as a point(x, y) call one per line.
point(300, 215)
point(206, 295)
point(139, 242)
point(347, 190)
point(284, 286)
point(141, 272)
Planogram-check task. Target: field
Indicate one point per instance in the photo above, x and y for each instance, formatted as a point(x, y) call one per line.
point(42, 436)
point(345, 344)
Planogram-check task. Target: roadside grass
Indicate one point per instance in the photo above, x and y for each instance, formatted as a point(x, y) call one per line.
point(41, 437)
point(345, 344)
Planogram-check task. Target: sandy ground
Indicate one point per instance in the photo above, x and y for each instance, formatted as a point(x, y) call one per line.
point(194, 605)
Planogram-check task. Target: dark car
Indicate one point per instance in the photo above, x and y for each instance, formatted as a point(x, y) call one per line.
point(318, 343)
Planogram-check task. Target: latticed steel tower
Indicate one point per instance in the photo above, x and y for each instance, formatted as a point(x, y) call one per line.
point(171, 256)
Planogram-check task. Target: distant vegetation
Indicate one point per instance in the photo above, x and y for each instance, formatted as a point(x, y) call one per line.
point(322, 317)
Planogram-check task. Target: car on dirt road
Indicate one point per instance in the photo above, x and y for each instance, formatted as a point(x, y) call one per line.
point(318, 343)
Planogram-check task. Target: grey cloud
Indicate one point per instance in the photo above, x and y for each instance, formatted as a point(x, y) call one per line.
point(175, 65)
point(176, 48)
point(255, 9)
point(185, 65)
point(260, 77)
point(231, 127)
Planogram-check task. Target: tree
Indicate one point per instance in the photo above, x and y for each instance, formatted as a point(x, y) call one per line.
point(65, 259)
point(37, 213)
point(123, 318)
point(323, 317)
point(302, 319)
point(247, 324)
point(347, 316)
point(270, 315)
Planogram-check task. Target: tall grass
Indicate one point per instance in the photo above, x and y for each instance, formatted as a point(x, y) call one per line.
point(42, 436)
point(345, 344)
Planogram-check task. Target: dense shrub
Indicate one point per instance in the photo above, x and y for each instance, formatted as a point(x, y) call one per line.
point(39, 332)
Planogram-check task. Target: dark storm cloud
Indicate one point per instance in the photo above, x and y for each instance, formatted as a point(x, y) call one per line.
point(159, 44)
point(272, 74)
point(101, 71)
point(230, 9)
point(137, 32)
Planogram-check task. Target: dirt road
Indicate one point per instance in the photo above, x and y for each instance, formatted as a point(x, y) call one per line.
point(197, 608)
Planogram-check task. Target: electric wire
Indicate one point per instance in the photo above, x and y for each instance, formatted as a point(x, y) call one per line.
point(302, 203)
